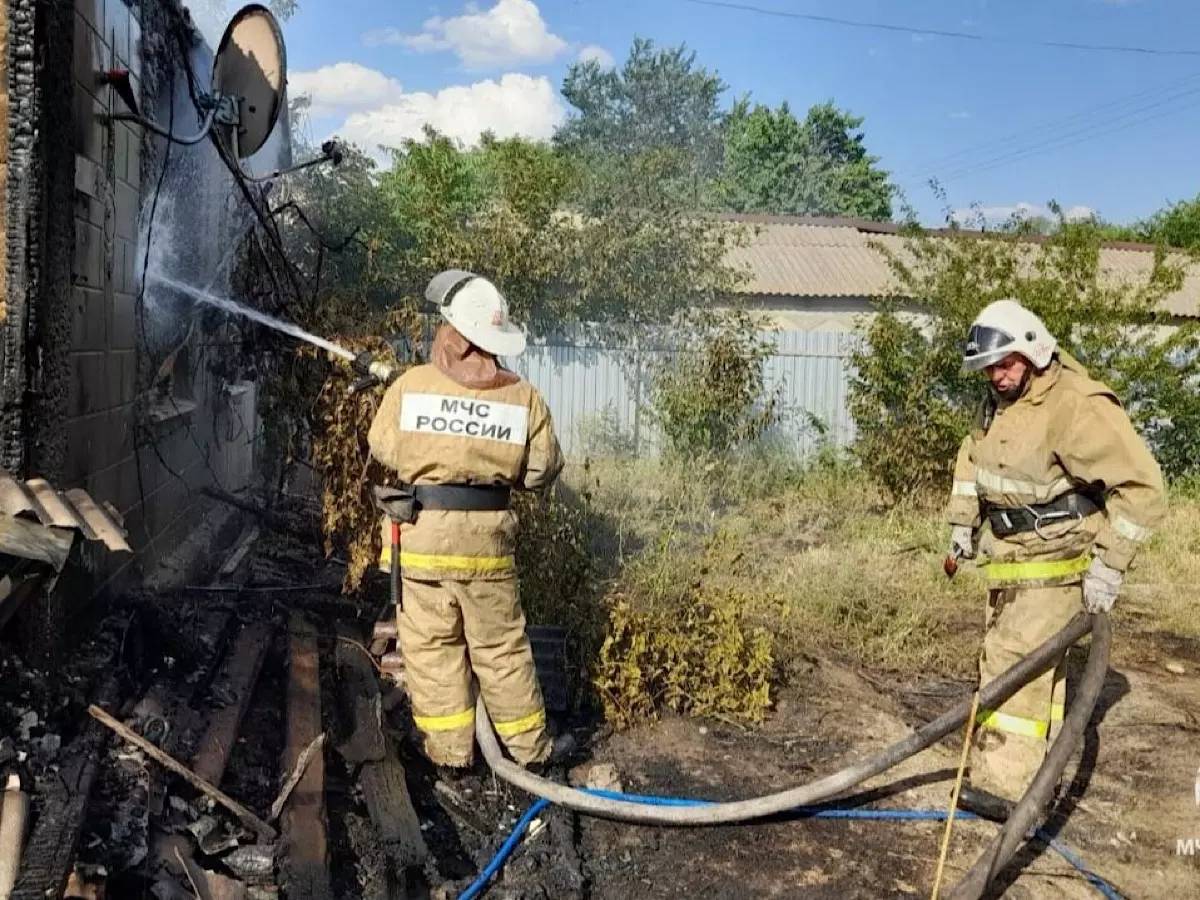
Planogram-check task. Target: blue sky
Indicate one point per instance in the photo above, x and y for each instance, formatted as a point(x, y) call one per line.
point(1005, 124)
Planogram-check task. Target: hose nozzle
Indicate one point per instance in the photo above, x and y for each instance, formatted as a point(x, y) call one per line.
point(373, 372)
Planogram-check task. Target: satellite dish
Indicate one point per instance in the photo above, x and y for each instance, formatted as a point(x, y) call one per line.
point(244, 104)
point(251, 65)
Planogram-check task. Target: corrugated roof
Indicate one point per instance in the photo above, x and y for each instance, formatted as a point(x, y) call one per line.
point(73, 509)
point(834, 258)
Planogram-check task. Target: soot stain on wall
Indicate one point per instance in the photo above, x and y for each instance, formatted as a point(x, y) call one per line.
point(50, 332)
point(21, 217)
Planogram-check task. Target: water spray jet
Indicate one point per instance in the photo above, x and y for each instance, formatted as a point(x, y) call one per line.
point(232, 306)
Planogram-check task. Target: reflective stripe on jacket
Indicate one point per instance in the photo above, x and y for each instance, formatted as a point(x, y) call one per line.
point(431, 430)
point(1065, 432)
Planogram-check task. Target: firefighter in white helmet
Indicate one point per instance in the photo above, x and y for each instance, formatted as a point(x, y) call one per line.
point(1069, 493)
point(462, 432)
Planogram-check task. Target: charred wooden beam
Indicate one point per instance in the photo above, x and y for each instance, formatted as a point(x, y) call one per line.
point(391, 809)
point(382, 776)
point(361, 702)
point(49, 856)
point(236, 679)
point(304, 871)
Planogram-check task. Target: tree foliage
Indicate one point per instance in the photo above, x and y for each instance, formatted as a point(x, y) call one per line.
point(749, 158)
point(1177, 226)
point(659, 100)
point(775, 163)
point(567, 244)
point(913, 403)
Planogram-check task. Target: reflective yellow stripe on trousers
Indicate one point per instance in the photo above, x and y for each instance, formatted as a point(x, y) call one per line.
point(1001, 573)
point(1034, 728)
point(452, 722)
point(455, 563)
point(520, 726)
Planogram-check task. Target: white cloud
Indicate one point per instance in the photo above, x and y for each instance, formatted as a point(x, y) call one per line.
point(599, 55)
point(999, 214)
point(512, 31)
point(963, 114)
point(516, 105)
point(343, 87)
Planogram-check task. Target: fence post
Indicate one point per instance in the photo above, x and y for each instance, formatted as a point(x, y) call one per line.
point(637, 397)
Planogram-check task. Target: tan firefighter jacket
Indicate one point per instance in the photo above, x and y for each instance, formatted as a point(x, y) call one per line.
point(431, 430)
point(1064, 432)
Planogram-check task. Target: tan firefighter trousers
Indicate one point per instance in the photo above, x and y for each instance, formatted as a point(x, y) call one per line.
point(451, 629)
point(1012, 741)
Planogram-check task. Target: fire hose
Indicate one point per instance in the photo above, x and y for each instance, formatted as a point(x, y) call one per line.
point(993, 860)
point(698, 813)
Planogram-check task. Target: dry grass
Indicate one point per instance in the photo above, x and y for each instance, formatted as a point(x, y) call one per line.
point(829, 570)
point(1160, 592)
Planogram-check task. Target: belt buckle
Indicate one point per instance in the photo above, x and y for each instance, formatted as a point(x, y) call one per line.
point(1040, 518)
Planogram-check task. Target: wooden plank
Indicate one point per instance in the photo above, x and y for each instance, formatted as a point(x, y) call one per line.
point(237, 678)
point(237, 558)
point(382, 775)
point(304, 871)
point(50, 854)
point(391, 809)
point(29, 540)
point(361, 703)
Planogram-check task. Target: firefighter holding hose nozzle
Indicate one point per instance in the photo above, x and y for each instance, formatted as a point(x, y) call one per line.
point(462, 432)
point(1069, 493)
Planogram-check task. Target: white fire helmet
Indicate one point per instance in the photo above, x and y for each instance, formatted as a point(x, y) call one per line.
point(477, 310)
point(1006, 327)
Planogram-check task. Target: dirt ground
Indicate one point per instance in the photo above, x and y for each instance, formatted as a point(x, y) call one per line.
point(1132, 796)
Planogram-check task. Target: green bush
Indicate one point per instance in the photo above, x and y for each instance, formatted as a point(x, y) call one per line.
point(912, 402)
point(710, 397)
point(680, 641)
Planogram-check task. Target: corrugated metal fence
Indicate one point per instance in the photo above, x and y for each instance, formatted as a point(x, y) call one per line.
point(597, 393)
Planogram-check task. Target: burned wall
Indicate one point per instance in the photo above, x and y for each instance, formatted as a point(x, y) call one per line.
point(98, 393)
point(21, 223)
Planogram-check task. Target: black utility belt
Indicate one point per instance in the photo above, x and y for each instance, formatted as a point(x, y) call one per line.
point(469, 497)
point(1006, 521)
point(401, 504)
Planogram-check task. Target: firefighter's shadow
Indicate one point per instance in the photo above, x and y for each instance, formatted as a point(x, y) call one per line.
point(1115, 688)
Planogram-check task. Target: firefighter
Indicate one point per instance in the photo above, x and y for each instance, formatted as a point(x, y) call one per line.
point(462, 432)
point(1069, 493)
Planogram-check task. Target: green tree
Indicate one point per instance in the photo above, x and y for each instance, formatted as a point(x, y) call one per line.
point(774, 163)
point(911, 400)
point(660, 100)
point(507, 209)
point(569, 243)
point(1176, 226)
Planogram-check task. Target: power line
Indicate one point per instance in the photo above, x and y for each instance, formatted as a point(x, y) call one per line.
point(1046, 127)
point(1077, 136)
point(1080, 140)
point(934, 32)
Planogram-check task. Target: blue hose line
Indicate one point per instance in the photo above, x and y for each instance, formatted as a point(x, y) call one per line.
point(817, 812)
point(478, 885)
